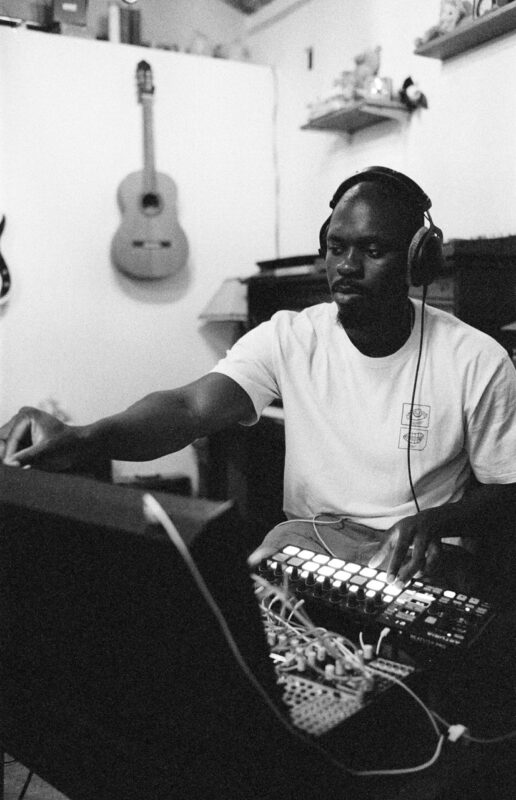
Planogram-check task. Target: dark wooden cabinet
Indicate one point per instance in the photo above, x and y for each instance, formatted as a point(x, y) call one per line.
point(246, 464)
point(478, 285)
point(484, 274)
point(267, 293)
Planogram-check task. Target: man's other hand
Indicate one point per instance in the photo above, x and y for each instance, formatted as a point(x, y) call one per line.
point(413, 545)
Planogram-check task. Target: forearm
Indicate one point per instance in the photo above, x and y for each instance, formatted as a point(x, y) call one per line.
point(160, 423)
point(482, 507)
point(484, 511)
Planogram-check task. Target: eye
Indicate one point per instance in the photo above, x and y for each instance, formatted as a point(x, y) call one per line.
point(373, 251)
point(335, 249)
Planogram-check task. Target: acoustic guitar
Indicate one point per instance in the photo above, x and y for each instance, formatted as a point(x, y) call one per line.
point(149, 243)
point(5, 278)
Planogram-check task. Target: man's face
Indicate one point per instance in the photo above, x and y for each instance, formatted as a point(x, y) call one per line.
point(366, 260)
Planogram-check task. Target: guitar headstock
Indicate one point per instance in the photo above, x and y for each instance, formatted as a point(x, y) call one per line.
point(144, 81)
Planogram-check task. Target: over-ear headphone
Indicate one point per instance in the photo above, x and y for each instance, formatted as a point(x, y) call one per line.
point(425, 253)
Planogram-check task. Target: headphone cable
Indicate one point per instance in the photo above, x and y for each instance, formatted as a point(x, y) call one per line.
point(409, 442)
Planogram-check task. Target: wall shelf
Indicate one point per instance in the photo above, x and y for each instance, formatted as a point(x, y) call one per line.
point(471, 34)
point(361, 114)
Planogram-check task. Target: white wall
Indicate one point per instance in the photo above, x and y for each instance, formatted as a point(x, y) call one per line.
point(75, 329)
point(460, 149)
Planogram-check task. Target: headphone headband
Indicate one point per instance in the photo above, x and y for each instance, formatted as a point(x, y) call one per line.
point(407, 186)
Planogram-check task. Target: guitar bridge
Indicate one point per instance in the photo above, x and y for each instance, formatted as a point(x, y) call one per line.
point(152, 245)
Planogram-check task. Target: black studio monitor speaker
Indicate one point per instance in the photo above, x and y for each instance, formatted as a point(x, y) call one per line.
point(116, 681)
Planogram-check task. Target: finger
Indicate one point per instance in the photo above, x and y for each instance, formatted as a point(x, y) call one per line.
point(5, 432)
point(382, 554)
point(416, 561)
point(22, 458)
point(259, 554)
point(402, 544)
point(18, 431)
point(433, 556)
point(38, 455)
point(5, 429)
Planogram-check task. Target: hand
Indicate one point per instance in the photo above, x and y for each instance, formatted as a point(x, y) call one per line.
point(421, 533)
point(257, 556)
point(35, 437)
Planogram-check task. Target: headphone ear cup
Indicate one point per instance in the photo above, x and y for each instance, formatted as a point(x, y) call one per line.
point(322, 237)
point(425, 257)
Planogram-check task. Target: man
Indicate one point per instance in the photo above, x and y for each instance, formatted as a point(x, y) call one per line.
point(390, 407)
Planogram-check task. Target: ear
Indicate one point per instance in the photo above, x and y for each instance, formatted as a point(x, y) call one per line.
point(322, 237)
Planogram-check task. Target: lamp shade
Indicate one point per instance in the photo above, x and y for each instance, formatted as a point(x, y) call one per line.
point(228, 304)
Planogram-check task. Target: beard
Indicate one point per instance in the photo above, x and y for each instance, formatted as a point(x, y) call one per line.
point(373, 311)
point(356, 315)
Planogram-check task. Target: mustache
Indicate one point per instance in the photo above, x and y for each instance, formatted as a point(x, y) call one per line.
point(347, 287)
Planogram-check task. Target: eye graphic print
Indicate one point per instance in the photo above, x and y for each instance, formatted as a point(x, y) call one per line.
point(417, 414)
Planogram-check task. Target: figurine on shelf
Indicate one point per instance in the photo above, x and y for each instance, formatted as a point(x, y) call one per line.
point(367, 66)
point(451, 14)
point(234, 51)
point(411, 95)
point(363, 81)
point(482, 7)
point(351, 86)
point(345, 84)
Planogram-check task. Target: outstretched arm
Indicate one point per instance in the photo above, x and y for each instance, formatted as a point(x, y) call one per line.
point(162, 422)
point(481, 507)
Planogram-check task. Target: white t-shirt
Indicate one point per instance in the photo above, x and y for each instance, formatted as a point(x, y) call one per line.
point(347, 415)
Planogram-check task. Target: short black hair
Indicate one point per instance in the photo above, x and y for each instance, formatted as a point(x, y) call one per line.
point(401, 199)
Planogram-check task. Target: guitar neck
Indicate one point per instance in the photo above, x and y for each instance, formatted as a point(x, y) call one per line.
point(149, 167)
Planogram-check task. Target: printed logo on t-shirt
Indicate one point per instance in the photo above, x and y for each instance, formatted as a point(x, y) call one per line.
point(417, 439)
point(416, 420)
point(420, 415)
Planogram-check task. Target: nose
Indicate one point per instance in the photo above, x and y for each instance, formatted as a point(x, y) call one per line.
point(349, 263)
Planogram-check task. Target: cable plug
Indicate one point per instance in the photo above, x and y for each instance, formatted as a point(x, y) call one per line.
point(455, 732)
point(368, 650)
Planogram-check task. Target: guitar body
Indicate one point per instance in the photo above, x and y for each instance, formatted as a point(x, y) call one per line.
point(149, 242)
point(5, 278)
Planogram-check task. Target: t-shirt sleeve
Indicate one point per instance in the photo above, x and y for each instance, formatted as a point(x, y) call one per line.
point(491, 428)
point(250, 363)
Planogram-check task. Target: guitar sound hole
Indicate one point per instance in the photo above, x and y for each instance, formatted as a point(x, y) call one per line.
point(150, 201)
